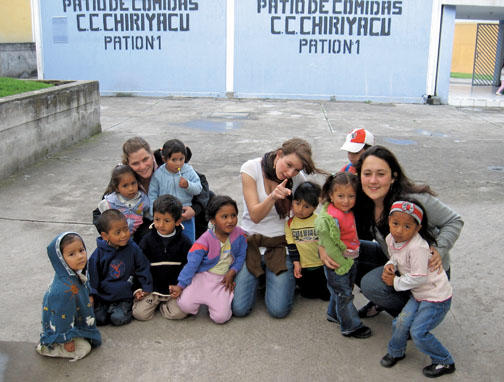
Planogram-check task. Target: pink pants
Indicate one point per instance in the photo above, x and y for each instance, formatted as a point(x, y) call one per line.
point(207, 288)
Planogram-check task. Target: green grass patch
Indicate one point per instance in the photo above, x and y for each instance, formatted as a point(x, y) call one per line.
point(460, 75)
point(10, 86)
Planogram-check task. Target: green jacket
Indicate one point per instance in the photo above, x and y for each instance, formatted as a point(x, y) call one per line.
point(329, 238)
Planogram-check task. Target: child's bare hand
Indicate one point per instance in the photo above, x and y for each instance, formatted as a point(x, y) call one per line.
point(183, 183)
point(388, 274)
point(228, 280)
point(69, 346)
point(91, 300)
point(139, 295)
point(297, 269)
point(175, 291)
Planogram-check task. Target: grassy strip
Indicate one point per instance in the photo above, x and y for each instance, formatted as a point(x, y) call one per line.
point(460, 75)
point(10, 86)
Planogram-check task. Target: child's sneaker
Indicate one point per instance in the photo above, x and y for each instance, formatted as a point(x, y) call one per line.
point(362, 332)
point(437, 370)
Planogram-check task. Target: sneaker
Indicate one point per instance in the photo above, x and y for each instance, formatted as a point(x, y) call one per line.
point(362, 332)
point(389, 361)
point(437, 370)
point(370, 310)
point(498, 93)
point(331, 318)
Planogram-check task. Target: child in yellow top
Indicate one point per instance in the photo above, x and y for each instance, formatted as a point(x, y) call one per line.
point(302, 242)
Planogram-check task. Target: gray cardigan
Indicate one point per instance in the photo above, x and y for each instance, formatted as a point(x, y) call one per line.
point(444, 223)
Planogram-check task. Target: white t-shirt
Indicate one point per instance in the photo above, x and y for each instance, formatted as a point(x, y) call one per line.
point(271, 225)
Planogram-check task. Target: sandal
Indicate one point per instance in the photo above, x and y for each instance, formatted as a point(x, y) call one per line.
point(370, 310)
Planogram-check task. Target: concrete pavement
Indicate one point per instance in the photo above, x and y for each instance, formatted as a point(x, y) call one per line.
point(457, 151)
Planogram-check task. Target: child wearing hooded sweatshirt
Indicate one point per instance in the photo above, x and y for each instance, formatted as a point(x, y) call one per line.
point(68, 322)
point(118, 271)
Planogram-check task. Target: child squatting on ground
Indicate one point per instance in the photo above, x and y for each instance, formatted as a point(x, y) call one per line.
point(302, 242)
point(431, 292)
point(337, 233)
point(356, 142)
point(68, 322)
point(122, 194)
point(176, 178)
point(118, 270)
point(166, 249)
point(213, 262)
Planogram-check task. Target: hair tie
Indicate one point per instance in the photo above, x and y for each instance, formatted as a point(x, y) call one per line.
point(409, 208)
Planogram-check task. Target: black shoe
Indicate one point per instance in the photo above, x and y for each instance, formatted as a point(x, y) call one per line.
point(370, 310)
point(362, 332)
point(437, 370)
point(389, 361)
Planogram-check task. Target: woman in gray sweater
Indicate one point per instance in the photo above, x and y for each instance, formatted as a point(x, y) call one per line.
point(382, 181)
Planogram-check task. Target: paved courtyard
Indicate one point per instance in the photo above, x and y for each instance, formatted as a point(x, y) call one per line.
point(458, 151)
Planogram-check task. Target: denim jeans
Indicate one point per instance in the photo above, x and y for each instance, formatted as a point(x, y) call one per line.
point(116, 313)
point(341, 301)
point(419, 318)
point(279, 296)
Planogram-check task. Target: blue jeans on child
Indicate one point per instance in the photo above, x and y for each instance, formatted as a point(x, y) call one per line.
point(419, 318)
point(116, 313)
point(279, 296)
point(341, 302)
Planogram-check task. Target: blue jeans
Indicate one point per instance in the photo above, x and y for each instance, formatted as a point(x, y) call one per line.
point(419, 318)
point(189, 229)
point(116, 313)
point(279, 296)
point(341, 301)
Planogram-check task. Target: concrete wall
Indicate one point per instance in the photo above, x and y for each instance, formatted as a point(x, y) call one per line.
point(37, 123)
point(15, 21)
point(139, 47)
point(18, 60)
point(322, 49)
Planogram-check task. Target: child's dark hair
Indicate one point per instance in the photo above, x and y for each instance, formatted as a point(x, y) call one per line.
point(173, 146)
point(115, 177)
point(309, 192)
point(340, 178)
point(107, 217)
point(68, 239)
point(425, 232)
point(168, 204)
point(215, 204)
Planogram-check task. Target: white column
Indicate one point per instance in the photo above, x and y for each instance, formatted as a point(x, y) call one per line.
point(230, 30)
point(37, 36)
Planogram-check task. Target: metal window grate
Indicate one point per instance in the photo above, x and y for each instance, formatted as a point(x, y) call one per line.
point(485, 54)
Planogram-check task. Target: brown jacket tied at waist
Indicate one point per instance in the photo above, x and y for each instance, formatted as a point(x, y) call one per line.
point(274, 257)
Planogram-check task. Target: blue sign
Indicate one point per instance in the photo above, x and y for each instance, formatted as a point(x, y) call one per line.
point(333, 49)
point(141, 47)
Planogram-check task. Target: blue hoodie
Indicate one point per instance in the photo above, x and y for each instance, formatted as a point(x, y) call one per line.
point(113, 272)
point(66, 310)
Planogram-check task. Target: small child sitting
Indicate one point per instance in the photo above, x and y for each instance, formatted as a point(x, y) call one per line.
point(356, 142)
point(431, 292)
point(302, 242)
point(213, 262)
point(68, 321)
point(337, 233)
point(166, 248)
point(122, 194)
point(176, 178)
point(114, 267)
